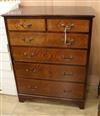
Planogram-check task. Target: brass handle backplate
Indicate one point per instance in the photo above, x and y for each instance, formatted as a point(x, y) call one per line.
point(68, 58)
point(68, 27)
point(30, 70)
point(25, 26)
point(68, 74)
point(29, 56)
point(27, 39)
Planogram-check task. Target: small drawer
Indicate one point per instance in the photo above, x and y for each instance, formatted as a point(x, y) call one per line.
point(26, 24)
point(72, 25)
point(50, 72)
point(47, 55)
point(48, 39)
point(50, 88)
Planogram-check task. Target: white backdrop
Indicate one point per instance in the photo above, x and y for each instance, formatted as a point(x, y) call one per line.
point(7, 82)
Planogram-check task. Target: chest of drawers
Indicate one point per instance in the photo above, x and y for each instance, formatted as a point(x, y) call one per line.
point(50, 49)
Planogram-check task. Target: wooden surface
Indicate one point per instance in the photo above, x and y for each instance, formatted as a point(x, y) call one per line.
point(46, 55)
point(48, 40)
point(69, 11)
point(50, 72)
point(78, 25)
point(26, 24)
point(50, 88)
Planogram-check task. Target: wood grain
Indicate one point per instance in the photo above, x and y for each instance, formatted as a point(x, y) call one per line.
point(48, 39)
point(26, 24)
point(50, 88)
point(50, 72)
point(78, 25)
point(47, 55)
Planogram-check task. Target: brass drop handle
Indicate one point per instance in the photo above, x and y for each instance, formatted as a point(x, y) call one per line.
point(68, 58)
point(27, 39)
point(67, 28)
point(68, 74)
point(69, 41)
point(25, 25)
point(31, 55)
point(32, 88)
point(25, 54)
point(67, 91)
point(30, 70)
point(28, 56)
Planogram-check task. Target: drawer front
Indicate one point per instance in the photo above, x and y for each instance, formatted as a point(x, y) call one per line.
point(50, 72)
point(50, 88)
point(47, 55)
point(74, 25)
point(48, 39)
point(26, 24)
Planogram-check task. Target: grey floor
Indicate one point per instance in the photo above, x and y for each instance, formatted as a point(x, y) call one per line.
point(11, 107)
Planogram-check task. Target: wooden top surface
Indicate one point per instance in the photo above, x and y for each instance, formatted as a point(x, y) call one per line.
point(77, 11)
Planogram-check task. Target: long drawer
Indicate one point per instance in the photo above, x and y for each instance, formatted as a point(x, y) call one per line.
point(50, 88)
point(50, 72)
point(26, 24)
point(73, 25)
point(47, 55)
point(48, 39)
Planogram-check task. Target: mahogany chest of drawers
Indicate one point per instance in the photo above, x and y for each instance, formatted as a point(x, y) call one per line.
point(50, 49)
